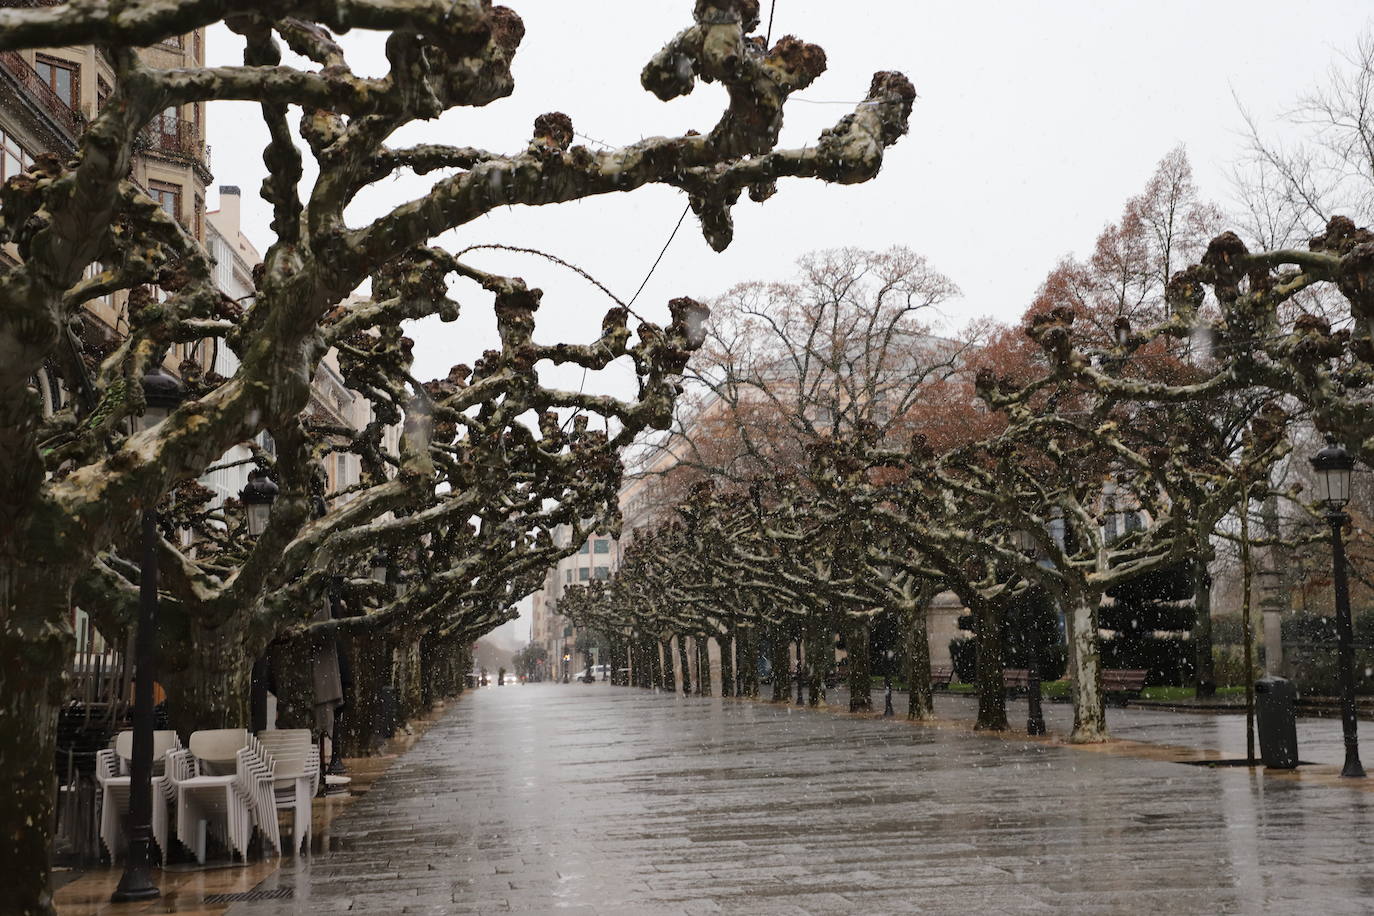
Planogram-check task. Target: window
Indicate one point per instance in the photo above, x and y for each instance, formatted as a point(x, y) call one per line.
point(62, 77)
point(602, 572)
point(583, 548)
point(568, 577)
point(601, 545)
point(168, 196)
point(165, 123)
point(583, 574)
point(102, 92)
point(13, 157)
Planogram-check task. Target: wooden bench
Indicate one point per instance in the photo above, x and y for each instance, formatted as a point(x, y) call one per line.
point(1123, 684)
point(940, 676)
point(1016, 681)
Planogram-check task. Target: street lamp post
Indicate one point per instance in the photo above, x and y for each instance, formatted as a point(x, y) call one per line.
point(1035, 717)
point(887, 683)
point(1334, 465)
point(257, 498)
point(161, 395)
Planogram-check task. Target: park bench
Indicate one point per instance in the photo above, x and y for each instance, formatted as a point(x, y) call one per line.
point(1123, 684)
point(1016, 681)
point(940, 676)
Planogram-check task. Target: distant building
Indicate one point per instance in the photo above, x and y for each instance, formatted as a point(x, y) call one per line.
point(597, 559)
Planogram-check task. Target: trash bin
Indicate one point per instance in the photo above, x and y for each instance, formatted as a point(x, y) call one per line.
point(1276, 701)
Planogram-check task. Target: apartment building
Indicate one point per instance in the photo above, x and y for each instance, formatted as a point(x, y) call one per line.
point(597, 558)
point(46, 99)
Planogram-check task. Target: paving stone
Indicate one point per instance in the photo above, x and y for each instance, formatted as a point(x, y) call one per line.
point(577, 799)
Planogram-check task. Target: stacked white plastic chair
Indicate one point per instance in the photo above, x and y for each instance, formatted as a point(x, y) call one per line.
point(112, 767)
point(297, 777)
point(228, 791)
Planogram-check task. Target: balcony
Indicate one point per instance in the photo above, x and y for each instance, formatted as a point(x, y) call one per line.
point(179, 140)
point(70, 123)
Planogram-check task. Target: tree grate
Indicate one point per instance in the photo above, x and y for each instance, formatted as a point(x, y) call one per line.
point(280, 893)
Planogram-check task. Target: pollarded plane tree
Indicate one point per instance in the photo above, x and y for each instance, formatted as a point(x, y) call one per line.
point(1068, 459)
point(1125, 329)
point(914, 541)
point(464, 455)
point(73, 482)
point(844, 348)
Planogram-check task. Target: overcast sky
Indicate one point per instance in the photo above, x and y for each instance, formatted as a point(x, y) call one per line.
point(1035, 122)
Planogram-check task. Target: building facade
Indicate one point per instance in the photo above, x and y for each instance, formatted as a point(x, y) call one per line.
point(597, 559)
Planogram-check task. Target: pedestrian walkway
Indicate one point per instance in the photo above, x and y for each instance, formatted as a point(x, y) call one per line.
point(194, 890)
point(1220, 734)
point(600, 800)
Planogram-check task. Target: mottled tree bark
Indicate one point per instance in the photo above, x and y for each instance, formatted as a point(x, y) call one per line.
point(992, 694)
point(820, 656)
point(683, 664)
point(292, 672)
point(728, 685)
point(370, 662)
point(34, 655)
point(747, 661)
point(662, 659)
point(781, 663)
point(703, 652)
point(1089, 711)
point(920, 700)
point(860, 666)
point(209, 685)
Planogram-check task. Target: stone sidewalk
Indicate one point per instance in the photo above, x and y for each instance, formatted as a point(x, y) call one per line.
point(592, 799)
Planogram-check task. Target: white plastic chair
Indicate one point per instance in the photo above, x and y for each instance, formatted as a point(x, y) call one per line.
point(221, 795)
point(112, 772)
point(297, 777)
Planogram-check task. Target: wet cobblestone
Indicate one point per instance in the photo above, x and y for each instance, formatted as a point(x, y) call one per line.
point(577, 799)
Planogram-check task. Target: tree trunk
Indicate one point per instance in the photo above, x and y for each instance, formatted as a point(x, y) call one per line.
point(663, 665)
point(728, 688)
point(639, 663)
point(920, 701)
point(647, 673)
point(820, 657)
point(35, 649)
point(992, 694)
point(211, 686)
point(292, 673)
point(619, 661)
point(682, 661)
point(703, 645)
point(860, 667)
point(409, 680)
point(360, 729)
point(1204, 677)
point(748, 662)
point(781, 662)
point(1089, 713)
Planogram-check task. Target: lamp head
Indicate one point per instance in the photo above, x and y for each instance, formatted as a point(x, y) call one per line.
point(1333, 466)
point(162, 394)
point(258, 496)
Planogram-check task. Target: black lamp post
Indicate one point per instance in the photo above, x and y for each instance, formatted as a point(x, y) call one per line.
point(257, 498)
point(1035, 717)
point(887, 683)
point(1334, 465)
point(161, 395)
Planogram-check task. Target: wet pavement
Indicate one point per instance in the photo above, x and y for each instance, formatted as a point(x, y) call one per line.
point(592, 799)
